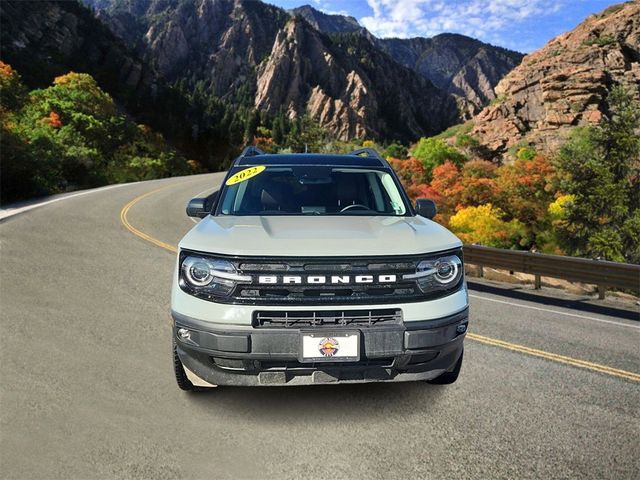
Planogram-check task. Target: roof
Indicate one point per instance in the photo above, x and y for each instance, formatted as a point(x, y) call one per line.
point(311, 159)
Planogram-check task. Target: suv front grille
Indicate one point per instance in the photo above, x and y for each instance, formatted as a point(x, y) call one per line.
point(290, 280)
point(349, 318)
point(327, 294)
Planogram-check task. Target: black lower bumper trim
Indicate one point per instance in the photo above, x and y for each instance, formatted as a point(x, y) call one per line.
point(251, 356)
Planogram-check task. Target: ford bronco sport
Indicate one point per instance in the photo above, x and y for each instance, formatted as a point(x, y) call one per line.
point(310, 269)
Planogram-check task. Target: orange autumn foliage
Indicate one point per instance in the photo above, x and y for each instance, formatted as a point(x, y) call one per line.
point(410, 171)
point(478, 183)
point(66, 78)
point(526, 188)
point(423, 190)
point(5, 69)
point(265, 144)
point(53, 119)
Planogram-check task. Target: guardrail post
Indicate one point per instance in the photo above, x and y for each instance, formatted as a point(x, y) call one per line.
point(480, 271)
point(537, 282)
point(601, 291)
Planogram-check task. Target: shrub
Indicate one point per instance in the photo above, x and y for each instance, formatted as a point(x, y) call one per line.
point(395, 150)
point(526, 153)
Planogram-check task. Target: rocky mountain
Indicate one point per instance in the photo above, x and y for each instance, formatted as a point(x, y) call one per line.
point(328, 23)
point(564, 84)
point(211, 63)
point(45, 39)
point(459, 65)
point(220, 42)
point(252, 53)
point(349, 86)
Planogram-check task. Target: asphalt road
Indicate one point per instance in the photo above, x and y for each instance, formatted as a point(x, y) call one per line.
point(87, 389)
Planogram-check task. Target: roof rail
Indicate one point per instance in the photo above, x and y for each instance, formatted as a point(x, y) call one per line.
point(251, 151)
point(369, 151)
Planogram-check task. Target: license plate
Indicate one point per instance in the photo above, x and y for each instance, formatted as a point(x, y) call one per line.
point(330, 347)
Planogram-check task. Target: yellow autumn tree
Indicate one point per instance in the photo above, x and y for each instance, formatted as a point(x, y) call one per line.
point(558, 209)
point(484, 225)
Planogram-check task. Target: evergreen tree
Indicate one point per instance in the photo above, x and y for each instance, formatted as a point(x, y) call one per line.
point(236, 130)
point(253, 120)
point(278, 131)
point(600, 169)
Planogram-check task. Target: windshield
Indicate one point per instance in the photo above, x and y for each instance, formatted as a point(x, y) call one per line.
point(310, 190)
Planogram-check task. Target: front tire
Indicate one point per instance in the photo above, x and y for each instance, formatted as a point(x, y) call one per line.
point(447, 378)
point(181, 377)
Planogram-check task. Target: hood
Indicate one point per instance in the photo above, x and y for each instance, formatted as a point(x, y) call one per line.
point(318, 236)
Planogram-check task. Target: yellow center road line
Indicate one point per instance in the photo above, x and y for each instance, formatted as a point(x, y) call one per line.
point(596, 367)
point(554, 357)
point(139, 233)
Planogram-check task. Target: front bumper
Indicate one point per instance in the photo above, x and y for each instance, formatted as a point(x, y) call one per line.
point(259, 356)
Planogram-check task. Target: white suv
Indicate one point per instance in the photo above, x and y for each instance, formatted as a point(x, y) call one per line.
point(310, 269)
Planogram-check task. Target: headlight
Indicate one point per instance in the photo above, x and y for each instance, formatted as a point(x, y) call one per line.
point(209, 276)
point(435, 274)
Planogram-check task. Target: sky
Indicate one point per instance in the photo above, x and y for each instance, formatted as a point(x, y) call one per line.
point(522, 25)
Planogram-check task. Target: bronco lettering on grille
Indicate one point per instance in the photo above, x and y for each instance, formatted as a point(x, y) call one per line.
point(324, 279)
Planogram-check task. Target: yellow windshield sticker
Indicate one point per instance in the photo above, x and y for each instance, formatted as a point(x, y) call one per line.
point(245, 174)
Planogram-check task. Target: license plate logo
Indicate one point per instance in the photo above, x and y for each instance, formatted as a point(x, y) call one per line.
point(328, 346)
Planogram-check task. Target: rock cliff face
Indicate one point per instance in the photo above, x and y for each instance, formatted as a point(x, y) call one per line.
point(459, 65)
point(337, 98)
point(254, 54)
point(327, 23)
point(565, 83)
point(328, 80)
point(217, 41)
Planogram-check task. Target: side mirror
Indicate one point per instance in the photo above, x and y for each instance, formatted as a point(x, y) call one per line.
point(197, 208)
point(426, 208)
point(201, 207)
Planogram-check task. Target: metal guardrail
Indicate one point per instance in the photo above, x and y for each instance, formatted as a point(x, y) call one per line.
point(595, 272)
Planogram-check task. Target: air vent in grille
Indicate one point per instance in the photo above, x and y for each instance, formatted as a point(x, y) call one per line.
point(347, 318)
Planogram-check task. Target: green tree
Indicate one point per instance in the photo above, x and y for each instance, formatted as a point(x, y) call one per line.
point(278, 129)
point(395, 150)
point(83, 123)
point(253, 120)
point(236, 130)
point(29, 167)
point(600, 169)
point(433, 152)
point(312, 136)
point(71, 135)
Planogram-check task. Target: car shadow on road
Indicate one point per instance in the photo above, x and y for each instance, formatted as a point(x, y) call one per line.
point(581, 304)
point(351, 400)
